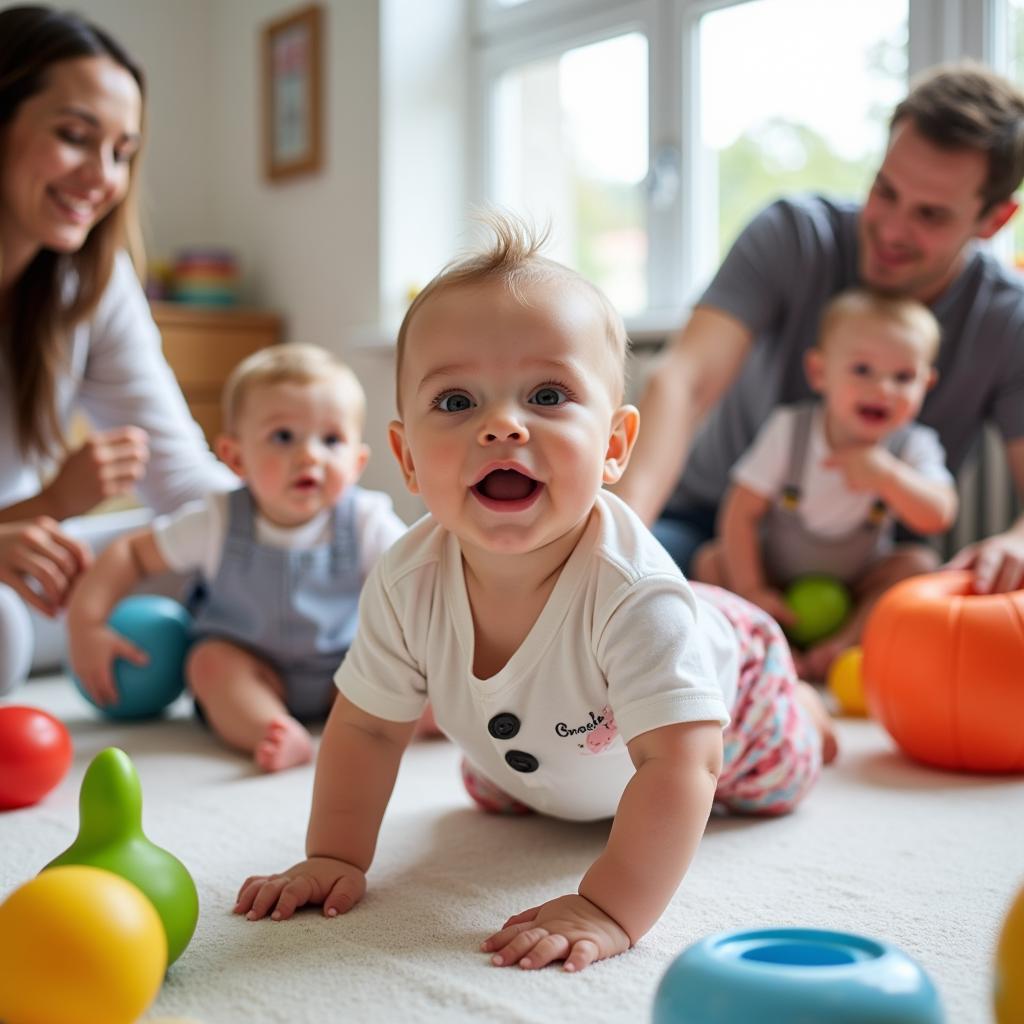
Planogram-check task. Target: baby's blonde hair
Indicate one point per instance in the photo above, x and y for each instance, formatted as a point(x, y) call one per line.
point(900, 309)
point(514, 256)
point(290, 363)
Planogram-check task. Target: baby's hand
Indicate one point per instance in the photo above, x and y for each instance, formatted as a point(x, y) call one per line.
point(570, 928)
point(864, 467)
point(770, 600)
point(92, 651)
point(334, 883)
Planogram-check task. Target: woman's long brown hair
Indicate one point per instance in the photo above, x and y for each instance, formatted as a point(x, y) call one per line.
point(56, 291)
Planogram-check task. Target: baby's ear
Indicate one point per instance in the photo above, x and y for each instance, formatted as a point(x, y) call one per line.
point(229, 452)
point(625, 425)
point(814, 367)
point(400, 450)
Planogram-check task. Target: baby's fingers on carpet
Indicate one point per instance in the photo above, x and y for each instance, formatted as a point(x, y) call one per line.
point(584, 953)
point(265, 897)
point(513, 950)
point(525, 915)
point(344, 895)
point(551, 947)
point(296, 893)
point(247, 892)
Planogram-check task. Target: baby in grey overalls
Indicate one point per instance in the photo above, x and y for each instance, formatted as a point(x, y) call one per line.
point(281, 560)
point(824, 482)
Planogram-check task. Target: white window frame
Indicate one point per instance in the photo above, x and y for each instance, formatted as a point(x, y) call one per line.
point(682, 238)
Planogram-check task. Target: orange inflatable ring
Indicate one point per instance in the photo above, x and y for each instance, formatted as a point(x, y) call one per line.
point(943, 672)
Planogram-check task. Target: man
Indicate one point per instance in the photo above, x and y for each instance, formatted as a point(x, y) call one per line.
point(954, 158)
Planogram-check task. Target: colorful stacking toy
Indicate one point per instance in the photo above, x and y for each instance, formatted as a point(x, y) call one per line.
point(846, 682)
point(1009, 985)
point(79, 945)
point(111, 837)
point(35, 754)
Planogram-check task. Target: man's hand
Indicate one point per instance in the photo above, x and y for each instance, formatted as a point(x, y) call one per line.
point(569, 928)
point(319, 880)
point(997, 562)
point(92, 651)
point(40, 562)
point(110, 463)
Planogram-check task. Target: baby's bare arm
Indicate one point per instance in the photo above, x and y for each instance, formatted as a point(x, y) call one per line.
point(658, 825)
point(355, 774)
point(659, 822)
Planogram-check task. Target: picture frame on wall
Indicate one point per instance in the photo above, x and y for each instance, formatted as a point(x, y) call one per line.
point(292, 94)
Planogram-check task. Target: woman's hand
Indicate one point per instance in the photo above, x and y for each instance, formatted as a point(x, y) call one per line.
point(110, 463)
point(39, 562)
point(569, 928)
point(319, 880)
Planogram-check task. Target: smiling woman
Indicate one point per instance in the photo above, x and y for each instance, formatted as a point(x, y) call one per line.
point(75, 329)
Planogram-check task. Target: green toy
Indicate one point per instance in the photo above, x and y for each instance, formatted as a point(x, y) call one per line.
point(110, 836)
point(821, 604)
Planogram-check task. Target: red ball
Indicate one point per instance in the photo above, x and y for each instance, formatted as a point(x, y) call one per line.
point(35, 754)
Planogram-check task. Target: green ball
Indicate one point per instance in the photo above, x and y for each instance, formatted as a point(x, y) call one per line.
point(821, 604)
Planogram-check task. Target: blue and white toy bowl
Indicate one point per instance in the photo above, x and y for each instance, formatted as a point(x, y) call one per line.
point(795, 976)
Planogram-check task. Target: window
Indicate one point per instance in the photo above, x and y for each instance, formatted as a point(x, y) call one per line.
point(1014, 56)
point(649, 131)
point(781, 113)
point(570, 149)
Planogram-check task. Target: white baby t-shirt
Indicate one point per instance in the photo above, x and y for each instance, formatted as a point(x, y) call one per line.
point(827, 506)
point(622, 646)
point(193, 536)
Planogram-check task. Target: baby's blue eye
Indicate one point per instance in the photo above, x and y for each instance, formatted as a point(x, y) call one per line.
point(549, 396)
point(454, 401)
point(905, 377)
point(861, 370)
point(282, 436)
point(332, 440)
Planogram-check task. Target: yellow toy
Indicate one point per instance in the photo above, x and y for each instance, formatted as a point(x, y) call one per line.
point(79, 945)
point(1009, 987)
point(846, 684)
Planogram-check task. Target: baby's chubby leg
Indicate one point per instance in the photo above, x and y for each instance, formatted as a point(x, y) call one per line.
point(242, 698)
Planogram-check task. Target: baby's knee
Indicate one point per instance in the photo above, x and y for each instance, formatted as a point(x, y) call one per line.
point(15, 640)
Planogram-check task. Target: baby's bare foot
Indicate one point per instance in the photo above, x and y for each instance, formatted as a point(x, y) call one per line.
point(285, 744)
point(815, 707)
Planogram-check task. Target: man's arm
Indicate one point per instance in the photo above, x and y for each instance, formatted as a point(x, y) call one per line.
point(998, 561)
point(701, 362)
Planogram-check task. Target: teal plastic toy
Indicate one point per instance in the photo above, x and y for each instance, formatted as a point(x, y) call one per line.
point(794, 976)
point(161, 627)
point(821, 604)
point(110, 836)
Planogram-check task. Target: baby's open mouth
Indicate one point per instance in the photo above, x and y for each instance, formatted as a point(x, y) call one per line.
point(873, 413)
point(506, 485)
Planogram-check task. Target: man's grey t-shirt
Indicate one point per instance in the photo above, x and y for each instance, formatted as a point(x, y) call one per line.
point(777, 278)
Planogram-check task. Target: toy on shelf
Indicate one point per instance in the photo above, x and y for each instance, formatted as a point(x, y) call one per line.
point(79, 945)
point(35, 754)
point(110, 836)
point(793, 976)
point(206, 277)
point(1009, 983)
point(821, 605)
point(845, 682)
point(942, 672)
point(160, 627)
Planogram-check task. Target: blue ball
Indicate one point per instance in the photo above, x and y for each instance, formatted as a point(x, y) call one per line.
point(795, 975)
point(162, 628)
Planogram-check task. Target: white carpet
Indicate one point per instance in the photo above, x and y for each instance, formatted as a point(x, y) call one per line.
point(927, 860)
